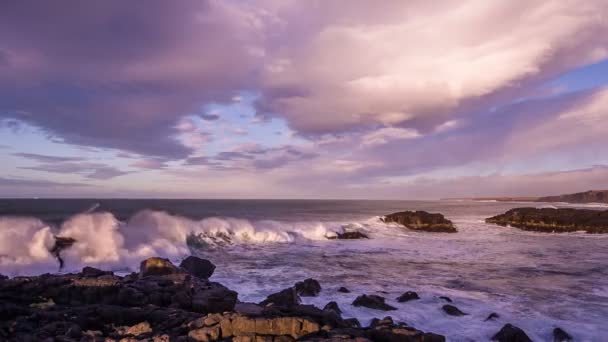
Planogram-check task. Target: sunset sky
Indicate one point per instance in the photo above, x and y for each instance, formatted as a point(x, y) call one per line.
point(303, 99)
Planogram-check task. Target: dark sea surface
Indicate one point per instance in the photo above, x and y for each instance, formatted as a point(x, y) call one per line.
point(536, 281)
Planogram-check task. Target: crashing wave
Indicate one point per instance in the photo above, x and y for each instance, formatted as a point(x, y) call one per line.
point(29, 245)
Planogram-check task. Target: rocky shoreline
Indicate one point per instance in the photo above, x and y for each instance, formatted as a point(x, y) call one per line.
point(164, 302)
point(549, 220)
point(421, 221)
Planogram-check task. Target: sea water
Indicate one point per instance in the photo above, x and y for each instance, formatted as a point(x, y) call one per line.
point(536, 281)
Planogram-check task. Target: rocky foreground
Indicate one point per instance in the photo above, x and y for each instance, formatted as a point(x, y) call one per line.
point(421, 221)
point(167, 303)
point(551, 220)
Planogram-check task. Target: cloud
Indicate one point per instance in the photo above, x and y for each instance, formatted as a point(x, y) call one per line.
point(47, 159)
point(20, 182)
point(151, 164)
point(209, 117)
point(90, 170)
point(386, 134)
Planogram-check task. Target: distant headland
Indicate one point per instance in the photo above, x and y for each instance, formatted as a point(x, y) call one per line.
point(591, 196)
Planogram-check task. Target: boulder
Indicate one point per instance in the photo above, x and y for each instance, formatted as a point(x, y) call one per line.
point(349, 236)
point(549, 220)
point(91, 272)
point(491, 317)
point(452, 310)
point(559, 335)
point(511, 333)
point(373, 302)
point(447, 299)
point(332, 306)
point(308, 288)
point(198, 267)
point(157, 266)
point(421, 221)
point(343, 290)
point(407, 296)
point(287, 297)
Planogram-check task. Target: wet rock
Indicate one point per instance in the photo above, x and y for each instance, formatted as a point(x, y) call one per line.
point(407, 296)
point(373, 302)
point(308, 288)
point(559, 335)
point(447, 299)
point(386, 321)
point(218, 299)
point(352, 323)
point(511, 333)
point(332, 306)
point(349, 236)
point(551, 220)
point(198, 267)
point(157, 266)
point(287, 297)
point(452, 310)
point(421, 221)
point(491, 317)
point(92, 272)
point(343, 290)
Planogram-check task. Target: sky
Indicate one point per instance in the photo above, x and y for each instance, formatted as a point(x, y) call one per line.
point(303, 99)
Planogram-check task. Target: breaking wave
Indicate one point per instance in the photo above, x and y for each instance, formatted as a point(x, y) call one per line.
point(103, 241)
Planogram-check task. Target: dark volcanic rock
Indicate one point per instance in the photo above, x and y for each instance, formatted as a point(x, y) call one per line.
point(492, 317)
point(447, 299)
point(308, 288)
point(92, 272)
point(452, 310)
point(373, 302)
point(511, 333)
point(287, 297)
point(349, 236)
point(157, 266)
point(198, 267)
point(591, 196)
point(343, 290)
point(421, 221)
point(332, 306)
point(406, 297)
point(559, 335)
point(551, 220)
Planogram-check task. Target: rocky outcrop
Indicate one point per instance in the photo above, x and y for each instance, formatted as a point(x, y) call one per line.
point(421, 221)
point(452, 310)
point(164, 303)
point(407, 296)
point(591, 196)
point(308, 288)
point(348, 235)
point(511, 333)
point(373, 302)
point(560, 335)
point(551, 220)
point(198, 267)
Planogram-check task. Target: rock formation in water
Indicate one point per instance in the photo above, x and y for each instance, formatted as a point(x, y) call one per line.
point(421, 221)
point(551, 220)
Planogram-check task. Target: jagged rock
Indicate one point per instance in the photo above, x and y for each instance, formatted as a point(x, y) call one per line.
point(349, 236)
point(135, 330)
point(551, 220)
point(198, 267)
point(559, 335)
point(421, 221)
point(491, 317)
point(343, 290)
point(452, 310)
point(511, 333)
point(308, 288)
point(373, 302)
point(332, 306)
point(285, 297)
point(407, 296)
point(447, 299)
point(388, 320)
point(218, 299)
point(157, 266)
point(93, 272)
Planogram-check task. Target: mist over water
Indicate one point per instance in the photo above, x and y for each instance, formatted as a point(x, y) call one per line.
point(533, 280)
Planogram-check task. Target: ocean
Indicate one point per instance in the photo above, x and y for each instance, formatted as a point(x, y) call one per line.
point(536, 281)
